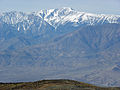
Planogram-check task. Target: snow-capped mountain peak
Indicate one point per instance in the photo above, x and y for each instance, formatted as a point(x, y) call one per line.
point(57, 17)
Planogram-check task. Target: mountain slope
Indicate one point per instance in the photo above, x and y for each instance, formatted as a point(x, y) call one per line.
point(21, 29)
point(47, 24)
point(53, 85)
point(90, 54)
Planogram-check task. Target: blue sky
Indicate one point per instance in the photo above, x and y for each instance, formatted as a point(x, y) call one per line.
point(92, 6)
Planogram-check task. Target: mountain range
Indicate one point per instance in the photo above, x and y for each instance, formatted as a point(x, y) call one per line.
point(60, 44)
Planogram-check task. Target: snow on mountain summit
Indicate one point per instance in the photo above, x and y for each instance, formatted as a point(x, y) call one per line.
point(57, 17)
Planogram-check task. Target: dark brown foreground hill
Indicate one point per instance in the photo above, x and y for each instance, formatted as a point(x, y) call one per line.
point(52, 85)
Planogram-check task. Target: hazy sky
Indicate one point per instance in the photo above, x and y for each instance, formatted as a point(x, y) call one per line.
point(93, 6)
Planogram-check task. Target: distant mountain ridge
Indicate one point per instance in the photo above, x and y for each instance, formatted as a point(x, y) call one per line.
point(56, 18)
point(50, 23)
point(60, 43)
